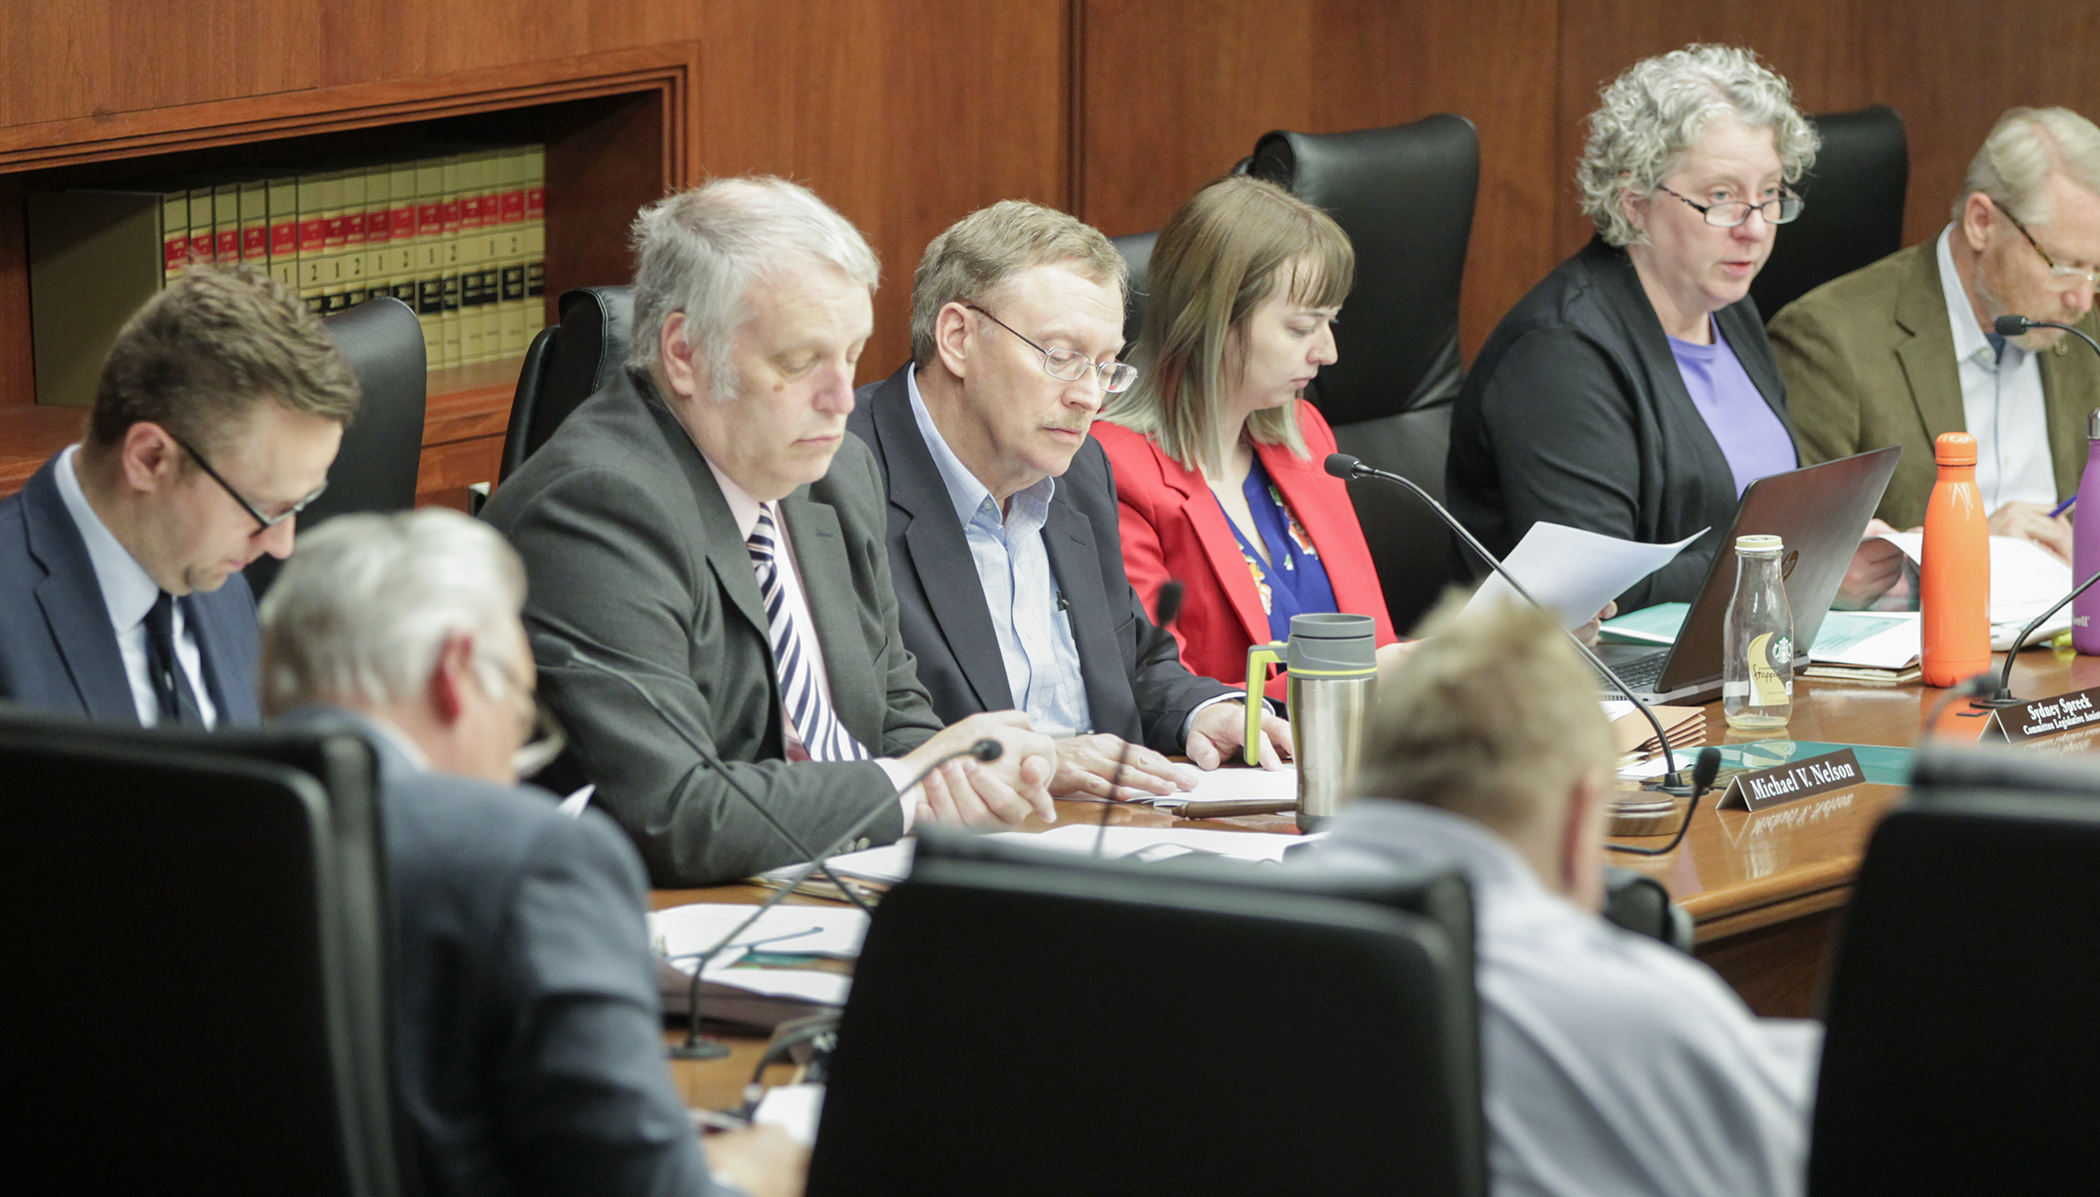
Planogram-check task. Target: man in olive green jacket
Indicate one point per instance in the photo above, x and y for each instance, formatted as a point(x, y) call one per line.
point(1903, 350)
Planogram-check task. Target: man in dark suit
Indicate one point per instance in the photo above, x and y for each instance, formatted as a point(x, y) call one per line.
point(1002, 532)
point(705, 534)
point(216, 417)
point(528, 1049)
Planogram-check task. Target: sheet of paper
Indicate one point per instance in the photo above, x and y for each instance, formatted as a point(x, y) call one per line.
point(798, 930)
point(888, 864)
point(1152, 843)
point(1655, 767)
point(800, 984)
point(1573, 572)
point(573, 805)
point(2025, 577)
point(1658, 624)
point(1873, 639)
point(1239, 784)
point(795, 1109)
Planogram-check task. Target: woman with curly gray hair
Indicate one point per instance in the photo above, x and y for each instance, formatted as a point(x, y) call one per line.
point(1632, 392)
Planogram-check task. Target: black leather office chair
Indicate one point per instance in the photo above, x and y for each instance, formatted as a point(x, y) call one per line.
point(1962, 1048)
point(195, 942)
point(1027, 1022)
point(1405, 197)
point(375, 470)
point(565, 365)
point(1136, 249)
point(1854, 214)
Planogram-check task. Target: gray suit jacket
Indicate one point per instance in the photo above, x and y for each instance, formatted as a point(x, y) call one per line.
point(1869, 361)
point(632, 557)
point(528, 1040)
point(1136, 686)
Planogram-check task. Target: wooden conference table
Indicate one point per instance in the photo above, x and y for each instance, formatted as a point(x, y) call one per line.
point(1765, 890)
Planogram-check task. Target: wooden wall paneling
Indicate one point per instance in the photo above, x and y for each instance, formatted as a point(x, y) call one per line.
point(370, 40)
point(17, 350)
point(1383, 64)
point(1176, 91)
point(905, 115)
point(605, 159)
point(83, 58)
point(1956, 68)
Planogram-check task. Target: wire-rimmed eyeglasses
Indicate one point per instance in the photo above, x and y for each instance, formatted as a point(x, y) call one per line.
point(2062, 278)
point(1070, 365)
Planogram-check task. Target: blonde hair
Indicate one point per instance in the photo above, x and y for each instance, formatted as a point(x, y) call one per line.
point(1658, 109)
point(1493, 717)
point(969, 260)
point(1224, 254)
point(2024, 148)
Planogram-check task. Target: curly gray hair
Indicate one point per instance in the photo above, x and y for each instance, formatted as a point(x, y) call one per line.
point(1657, 110)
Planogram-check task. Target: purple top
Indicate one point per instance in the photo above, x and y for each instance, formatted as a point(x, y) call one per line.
point(1748, 430)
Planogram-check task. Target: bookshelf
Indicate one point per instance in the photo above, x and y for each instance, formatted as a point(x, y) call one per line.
point(617, 126)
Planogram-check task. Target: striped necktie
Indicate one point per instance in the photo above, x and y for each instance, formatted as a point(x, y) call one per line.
point(807, 705)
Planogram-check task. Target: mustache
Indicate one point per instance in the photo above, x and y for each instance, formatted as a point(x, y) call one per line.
point(1071, 425)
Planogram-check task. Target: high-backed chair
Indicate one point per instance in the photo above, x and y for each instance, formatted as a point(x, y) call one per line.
point(1961, 1048)
point(565, 365)
point(195, 945)
point(1405, 197)
point(1136, 249)
point(1076, 1026)
point(375, 470)
point(1854, 213)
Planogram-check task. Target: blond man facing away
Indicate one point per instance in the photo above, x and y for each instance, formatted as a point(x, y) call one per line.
point(1611, 1063)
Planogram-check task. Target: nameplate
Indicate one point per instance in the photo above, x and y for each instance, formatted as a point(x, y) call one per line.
point(2044, 717)
point(1764, 788)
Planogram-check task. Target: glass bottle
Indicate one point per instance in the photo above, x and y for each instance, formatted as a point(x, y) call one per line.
point(1757, 675)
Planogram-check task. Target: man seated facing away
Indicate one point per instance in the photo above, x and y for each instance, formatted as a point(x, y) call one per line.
point(529, 1052)
point(1003, 536)
point(216, 417)
point(1610, 1062)
point(1906, 349)
point(705, 527)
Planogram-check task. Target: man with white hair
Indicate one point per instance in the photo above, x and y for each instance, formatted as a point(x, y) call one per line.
point(1610, 1063)
point(528, 1045)
point(1906, 349)
point(711, 598)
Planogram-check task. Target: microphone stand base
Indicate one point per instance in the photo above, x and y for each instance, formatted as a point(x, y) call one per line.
point(1997, 702)
point(698, 1049)
point(1657, 815)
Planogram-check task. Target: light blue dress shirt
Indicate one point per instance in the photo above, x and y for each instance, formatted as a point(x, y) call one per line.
point(1028, 612)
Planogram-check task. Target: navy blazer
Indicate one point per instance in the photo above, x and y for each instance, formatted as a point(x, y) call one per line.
point(1136, 685)
point(57, 650)
point(528, 1042)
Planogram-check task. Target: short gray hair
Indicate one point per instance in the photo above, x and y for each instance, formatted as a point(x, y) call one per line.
point(360, 613)
point(2024, 148)
point(1658, 109)
point(699, 252)
point(972, 257)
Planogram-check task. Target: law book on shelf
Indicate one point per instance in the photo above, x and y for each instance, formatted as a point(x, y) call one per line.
point(536, 232)
point(313, 243)
point(350, 257)
point(510, 251)
point(204, 240)
point(489, 181)
point(175, 235)
point(226, 223)
point(254, 207)
point(473, 251)
point(379, 215)
point(401, 232)
point(430, 274)
point(281, 197)
point(452, 206)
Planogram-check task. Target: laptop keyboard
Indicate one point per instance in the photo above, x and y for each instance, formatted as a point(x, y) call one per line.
point(1640, 674)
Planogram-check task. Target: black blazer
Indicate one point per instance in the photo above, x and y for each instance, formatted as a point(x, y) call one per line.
point(57, 650)
point(1575, 413)
point(1136, 686)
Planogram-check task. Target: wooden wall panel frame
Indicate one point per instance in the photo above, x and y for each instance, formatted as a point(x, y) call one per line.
point(671, 69)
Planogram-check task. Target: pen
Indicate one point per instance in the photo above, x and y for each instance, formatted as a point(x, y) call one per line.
point(1226, 808)
point(2063, 507)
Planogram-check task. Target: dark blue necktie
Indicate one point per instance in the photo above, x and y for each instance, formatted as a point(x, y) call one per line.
point(171, 687)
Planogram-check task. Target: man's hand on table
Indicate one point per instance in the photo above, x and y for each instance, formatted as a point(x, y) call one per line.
point(2029, 521)
point(1002, 793)
point(763, 1161)
point(1220, 730)
point(1876, 566)
point(1087, 764)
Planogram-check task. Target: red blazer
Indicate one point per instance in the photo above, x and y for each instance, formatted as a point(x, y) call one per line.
point(1173, 528)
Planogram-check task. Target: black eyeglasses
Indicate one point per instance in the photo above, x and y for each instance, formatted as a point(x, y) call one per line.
point(1781, 209)
point(2062, 278)
point(543, 738)
point(263, 522)
point(1070, 365)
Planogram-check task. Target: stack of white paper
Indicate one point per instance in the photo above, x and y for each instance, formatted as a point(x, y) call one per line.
point(1573, 573)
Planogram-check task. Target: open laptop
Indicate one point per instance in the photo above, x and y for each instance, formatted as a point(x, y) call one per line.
point(1818, 512)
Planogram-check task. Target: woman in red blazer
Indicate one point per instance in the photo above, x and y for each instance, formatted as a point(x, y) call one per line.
point(1218, 459)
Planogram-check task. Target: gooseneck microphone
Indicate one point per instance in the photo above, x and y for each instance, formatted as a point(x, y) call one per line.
point(554, 653)
point(1704, 769)
point(698, 1047)
point(2003, 695)
point(1345, 467)
point(2013, 326)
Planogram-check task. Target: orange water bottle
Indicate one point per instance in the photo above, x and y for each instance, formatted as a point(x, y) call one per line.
point(1954, 579)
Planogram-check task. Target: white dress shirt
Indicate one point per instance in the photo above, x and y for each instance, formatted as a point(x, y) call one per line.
point(128, 593)
point(744, 510)
point(1610, 1063)
point(2001, 403)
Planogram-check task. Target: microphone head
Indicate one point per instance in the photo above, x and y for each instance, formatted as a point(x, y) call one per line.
point(2013, 326)
point(987, 749)
point(551, 651)
point(1341, 465)
point(1704, 769)
point(1168, 605)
